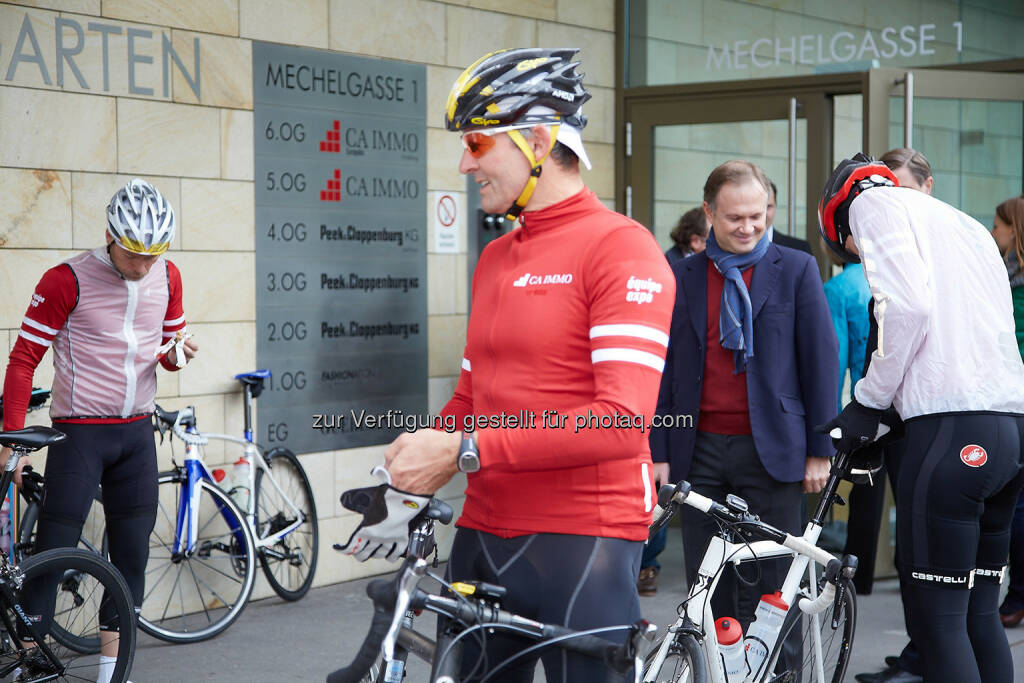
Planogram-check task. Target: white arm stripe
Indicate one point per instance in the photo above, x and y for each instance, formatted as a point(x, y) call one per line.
point(466, 366)
point(648, 497)
point(39, 326)
point(628, 356)
point(640, 331)
point(176, 321)
point(34, 338)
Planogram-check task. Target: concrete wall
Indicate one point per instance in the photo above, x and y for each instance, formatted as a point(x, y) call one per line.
point(73, 130)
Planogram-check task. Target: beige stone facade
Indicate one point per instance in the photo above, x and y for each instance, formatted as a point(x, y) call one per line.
point(92, 94)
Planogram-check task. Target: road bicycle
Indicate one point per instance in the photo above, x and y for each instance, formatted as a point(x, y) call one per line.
point(471, 610)
point(201, 567)
point(822, 605)
point(79, 581)
point(199, 525)
point(31, 495)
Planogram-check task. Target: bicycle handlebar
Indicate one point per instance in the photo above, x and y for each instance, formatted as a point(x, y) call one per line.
point(177, 422)
point(384, 594)
point(387, 594)
point(682, 494)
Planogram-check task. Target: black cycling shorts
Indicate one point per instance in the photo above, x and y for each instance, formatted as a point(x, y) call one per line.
point(959, 478)
point(579, 582)
point(121, 457)
point(958, 483)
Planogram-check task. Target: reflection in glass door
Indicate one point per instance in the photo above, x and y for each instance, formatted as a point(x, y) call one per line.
point(974, 147)
point(675, 143)
point(969, 124)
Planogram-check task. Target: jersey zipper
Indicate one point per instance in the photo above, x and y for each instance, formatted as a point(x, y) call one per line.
point(130, 376)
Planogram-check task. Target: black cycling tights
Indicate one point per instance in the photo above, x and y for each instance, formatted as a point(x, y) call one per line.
point(576, 581)
point(123, 458)
point(958, 484)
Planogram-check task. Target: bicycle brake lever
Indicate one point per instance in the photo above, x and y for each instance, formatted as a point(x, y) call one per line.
point(838, 602)
point(642, 630)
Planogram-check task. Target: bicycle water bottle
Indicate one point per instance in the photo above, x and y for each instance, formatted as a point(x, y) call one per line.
point(221, 477)
point(730, 645)
point(240, 483)
point(762, 634)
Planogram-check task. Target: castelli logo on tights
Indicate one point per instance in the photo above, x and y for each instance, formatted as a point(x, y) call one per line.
point(973, 455)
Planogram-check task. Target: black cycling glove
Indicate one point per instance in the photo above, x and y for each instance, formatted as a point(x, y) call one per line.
point(858, 423)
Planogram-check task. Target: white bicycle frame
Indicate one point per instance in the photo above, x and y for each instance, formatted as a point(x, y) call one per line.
point(196, 468)
point(717, 557)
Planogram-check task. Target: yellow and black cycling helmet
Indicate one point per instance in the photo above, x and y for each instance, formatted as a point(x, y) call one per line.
point(501, 88)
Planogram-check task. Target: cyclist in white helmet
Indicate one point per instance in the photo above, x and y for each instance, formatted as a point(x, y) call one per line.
point(110, 314)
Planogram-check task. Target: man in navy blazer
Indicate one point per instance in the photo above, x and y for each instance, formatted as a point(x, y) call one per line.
point(753, 358)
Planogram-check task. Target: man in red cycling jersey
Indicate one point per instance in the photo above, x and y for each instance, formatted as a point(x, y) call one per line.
point(110, 314)
point(570, 324)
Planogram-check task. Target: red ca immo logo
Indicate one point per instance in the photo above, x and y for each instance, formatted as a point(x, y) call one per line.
point(973, 455)
point(333, 141)
point(333, 191)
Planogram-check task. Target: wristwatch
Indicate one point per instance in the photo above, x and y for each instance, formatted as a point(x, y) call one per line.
point(469, 456)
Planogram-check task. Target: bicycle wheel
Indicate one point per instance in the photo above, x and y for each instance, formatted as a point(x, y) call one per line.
point(835, 643)
point(684, 662)
point(94, 539)
point(194, 595)
point(76, 613)
point(289, 562)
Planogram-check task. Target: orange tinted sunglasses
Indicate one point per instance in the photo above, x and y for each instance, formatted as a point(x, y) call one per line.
point(477, 143)
point(480, 142)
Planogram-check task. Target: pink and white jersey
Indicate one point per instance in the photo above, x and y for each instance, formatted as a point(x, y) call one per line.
point(104, 331)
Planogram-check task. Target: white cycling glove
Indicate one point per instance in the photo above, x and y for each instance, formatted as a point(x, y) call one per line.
point(384, 531)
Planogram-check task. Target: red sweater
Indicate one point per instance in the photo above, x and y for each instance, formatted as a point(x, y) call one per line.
point(723, 396)
point(571, 314)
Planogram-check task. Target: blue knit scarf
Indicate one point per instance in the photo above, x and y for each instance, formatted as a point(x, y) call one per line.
point(736, 320)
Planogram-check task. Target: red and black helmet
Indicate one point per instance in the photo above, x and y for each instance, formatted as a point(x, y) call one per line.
point(851, 177)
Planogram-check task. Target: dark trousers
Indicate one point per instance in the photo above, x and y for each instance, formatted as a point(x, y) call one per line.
point(724, 464)
point(653, 548)
point(1014, 601)
point(866, 507)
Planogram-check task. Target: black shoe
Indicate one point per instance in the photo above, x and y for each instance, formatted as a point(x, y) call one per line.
point(892, 661)
point(890, 675)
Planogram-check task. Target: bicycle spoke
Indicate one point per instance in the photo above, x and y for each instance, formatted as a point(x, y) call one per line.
point(170, 595)
point(230, 577)
point(202, 602)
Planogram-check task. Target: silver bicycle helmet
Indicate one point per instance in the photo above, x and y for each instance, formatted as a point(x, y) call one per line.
point(140, 219)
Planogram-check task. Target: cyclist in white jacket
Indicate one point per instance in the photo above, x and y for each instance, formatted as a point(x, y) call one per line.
point(947, 360)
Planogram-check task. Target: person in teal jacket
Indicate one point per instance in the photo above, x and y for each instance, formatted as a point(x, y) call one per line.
point(847, 295)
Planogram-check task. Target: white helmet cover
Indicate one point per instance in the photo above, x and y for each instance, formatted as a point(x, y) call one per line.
point(140, 219)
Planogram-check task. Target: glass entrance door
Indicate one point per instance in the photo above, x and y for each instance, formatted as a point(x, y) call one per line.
point(675, 142)
point(968, 124)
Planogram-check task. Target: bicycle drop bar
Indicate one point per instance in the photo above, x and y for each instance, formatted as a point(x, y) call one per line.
point(386, 593)
point(750, 524)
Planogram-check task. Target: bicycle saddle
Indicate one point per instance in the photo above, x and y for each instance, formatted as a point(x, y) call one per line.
point(254, 379)
point(32, 438)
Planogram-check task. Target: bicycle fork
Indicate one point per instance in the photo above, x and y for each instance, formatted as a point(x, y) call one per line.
point(186, 532)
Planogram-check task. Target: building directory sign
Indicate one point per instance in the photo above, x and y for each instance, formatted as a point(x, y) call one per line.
point(341, 310)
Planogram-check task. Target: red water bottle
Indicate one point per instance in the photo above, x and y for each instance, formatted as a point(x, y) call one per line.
point(730, 646)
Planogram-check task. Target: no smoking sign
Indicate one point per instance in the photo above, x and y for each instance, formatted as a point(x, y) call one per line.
point(449, 209)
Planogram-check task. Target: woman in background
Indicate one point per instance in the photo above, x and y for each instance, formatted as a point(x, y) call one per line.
point(1008, 232)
